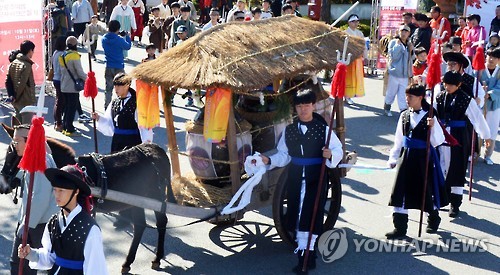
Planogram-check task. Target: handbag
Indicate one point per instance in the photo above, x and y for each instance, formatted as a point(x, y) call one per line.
point(79, 83)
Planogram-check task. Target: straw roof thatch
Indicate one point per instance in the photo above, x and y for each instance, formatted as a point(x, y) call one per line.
point(249, 55)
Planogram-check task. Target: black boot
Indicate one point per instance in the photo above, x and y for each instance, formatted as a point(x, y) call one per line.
point(400, 226)
point(433, 222)
point(298, 269)
point(311, 261)
point(455, 202)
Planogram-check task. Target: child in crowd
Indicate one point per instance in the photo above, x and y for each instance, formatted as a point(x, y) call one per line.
point(151, 50)
point(420, 63)
point(493, 42)
point(92, 32)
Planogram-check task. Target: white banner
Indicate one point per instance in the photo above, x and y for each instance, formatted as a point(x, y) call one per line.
point(486, 11)
point(20, 10)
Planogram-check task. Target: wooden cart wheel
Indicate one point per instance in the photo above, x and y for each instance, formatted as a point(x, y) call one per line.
point(332, 206)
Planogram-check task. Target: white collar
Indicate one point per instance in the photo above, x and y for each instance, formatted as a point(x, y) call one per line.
point(69, 218)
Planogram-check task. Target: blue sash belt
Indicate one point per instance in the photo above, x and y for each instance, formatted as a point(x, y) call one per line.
point(454, 123)
point(126, 131)
point(70, 264)
point(306, 161)
point(438, 177)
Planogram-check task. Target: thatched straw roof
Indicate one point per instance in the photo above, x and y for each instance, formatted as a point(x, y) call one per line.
point(249, 55)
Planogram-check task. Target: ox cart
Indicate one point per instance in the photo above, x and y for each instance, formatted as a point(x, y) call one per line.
point(229, 57)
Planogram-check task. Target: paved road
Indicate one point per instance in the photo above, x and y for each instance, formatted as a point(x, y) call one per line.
point(252, 245)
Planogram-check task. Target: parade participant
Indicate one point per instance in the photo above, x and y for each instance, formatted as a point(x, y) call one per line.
point(42, 197)
point(139, 9)
point(491, 79)
point(435, 23)
point(72, 240)
point(458, 62)
point(420, 63)
point(185, 21)
point(422, 35)
point(454, 107)
point(164, 9)
point(120, 118)
point(81, 13)
point(400, 69)
point(120, 122)
point(113, 45)
point(411, 137)
point(214, 19)
point(21, 73)
point(92, 32)
point(407, 20)
point(124, 14)
point(302, 147)
point(71, 69)
point(456, 43)
point(151, 51)
point(475, 33)
point(355, 79)
point(266, 9)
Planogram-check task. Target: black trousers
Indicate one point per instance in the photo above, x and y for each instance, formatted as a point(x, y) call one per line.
point(34, 240)
point(71, 102)
point(59, 103)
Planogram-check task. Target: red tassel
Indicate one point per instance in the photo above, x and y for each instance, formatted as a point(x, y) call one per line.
point(434, 73)
point(338, 81)
point(90, 88)
point(33, 159)
point(479, 61)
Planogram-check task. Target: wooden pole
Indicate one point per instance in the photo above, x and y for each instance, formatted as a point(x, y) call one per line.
point(172, 140)
point(233, 150)
point(340, 129)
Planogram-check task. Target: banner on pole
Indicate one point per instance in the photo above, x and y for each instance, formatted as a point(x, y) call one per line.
point(21, 20)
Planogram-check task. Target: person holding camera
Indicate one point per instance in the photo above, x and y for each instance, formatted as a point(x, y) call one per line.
point(114, 44)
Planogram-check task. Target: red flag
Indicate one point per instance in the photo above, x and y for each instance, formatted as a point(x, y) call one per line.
point(479, 61)
point(338, 81)
point(90, 89)
point(33, 159)
point(434, 73)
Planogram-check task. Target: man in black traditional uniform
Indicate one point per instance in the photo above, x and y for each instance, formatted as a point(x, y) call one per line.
point(120, 122)
point(411, 137)
point(72, 240)
point(454, 108)
point(120, 118)
point(302, 146)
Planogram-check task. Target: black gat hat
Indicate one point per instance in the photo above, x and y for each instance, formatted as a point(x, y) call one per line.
point(68, 177)
point(456, 57)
